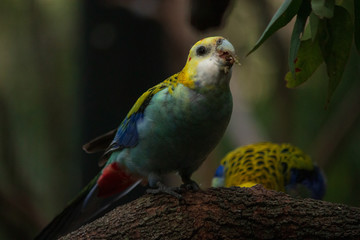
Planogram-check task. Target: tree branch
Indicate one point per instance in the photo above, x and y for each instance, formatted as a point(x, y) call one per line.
point(225, 213)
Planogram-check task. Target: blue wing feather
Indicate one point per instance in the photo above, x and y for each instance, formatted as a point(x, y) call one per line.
point(127, 134)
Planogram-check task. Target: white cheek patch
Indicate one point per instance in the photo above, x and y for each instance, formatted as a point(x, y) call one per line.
point(210, 72)
point(207, 71)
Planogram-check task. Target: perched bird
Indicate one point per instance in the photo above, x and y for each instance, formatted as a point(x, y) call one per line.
point(280, 167)
point(172, 127)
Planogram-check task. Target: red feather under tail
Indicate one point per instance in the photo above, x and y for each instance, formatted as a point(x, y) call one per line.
point(114, 179)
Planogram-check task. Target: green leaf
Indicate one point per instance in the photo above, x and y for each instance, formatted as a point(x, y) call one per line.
point(307, 33)
point(282, 17)
point(308, 60)
point(335, 42)
point(357, 24)
point(299, 26)
point(314, 23)
point(311, 28)
point(323, 8)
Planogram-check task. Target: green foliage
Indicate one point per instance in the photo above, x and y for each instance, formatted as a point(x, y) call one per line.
point(335, 42)
point(298, 30)
point(328, 38)
point(308, 60)
point(282, 17)
point(323, 8)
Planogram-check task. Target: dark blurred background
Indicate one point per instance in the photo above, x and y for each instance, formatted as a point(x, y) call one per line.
point(70, 70)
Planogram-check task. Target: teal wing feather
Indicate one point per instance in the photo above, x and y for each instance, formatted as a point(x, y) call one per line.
point(127, 135)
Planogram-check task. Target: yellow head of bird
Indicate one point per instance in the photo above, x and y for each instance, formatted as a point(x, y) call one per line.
point(209, 62)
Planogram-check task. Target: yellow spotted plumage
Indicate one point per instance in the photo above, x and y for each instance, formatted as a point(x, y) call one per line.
point(275, 166)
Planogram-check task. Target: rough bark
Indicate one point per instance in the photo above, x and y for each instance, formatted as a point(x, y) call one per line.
point(225, 213)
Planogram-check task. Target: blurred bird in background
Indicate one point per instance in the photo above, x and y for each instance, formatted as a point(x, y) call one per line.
point(281, 167)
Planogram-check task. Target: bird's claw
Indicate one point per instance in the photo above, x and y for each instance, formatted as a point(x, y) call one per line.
point(190, 185)
point(173, 191)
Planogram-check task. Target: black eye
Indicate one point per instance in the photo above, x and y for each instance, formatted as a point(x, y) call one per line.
point(200, 51)
point(219, 41)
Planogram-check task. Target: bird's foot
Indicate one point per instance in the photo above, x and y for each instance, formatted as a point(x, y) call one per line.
point(161, 188)
point(190, 185)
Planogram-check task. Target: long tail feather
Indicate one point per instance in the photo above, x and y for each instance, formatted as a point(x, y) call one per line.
point(86, 208)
